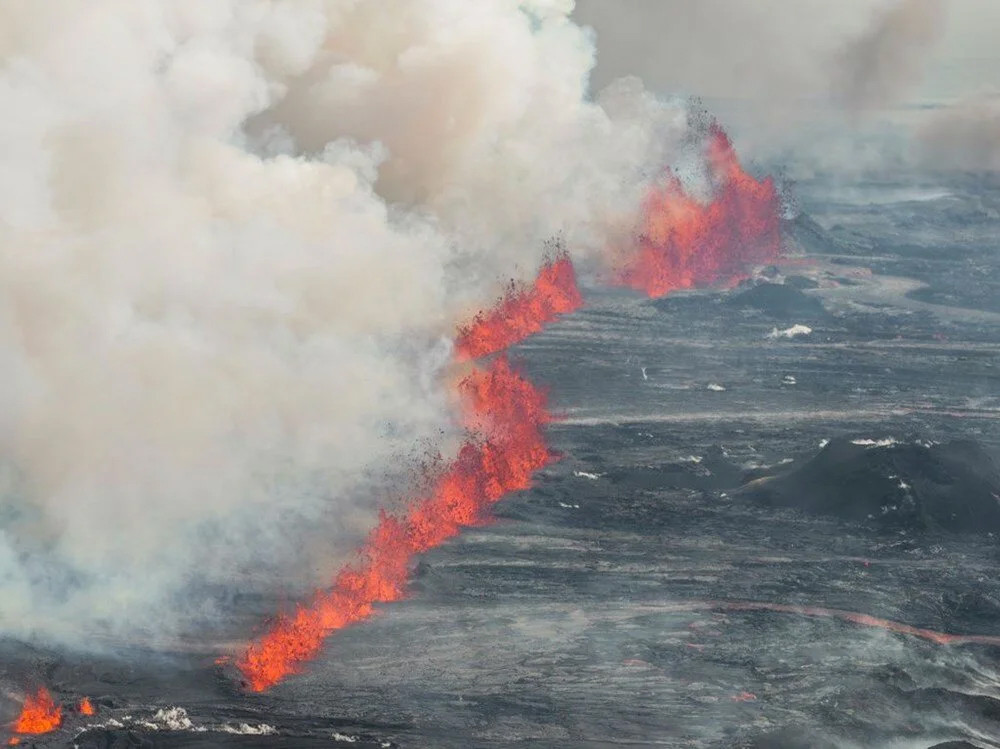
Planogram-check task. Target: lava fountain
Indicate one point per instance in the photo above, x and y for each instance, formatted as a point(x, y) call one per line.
point(684, 243)
point(522, 311)
point(39, 714)
point(506, 414)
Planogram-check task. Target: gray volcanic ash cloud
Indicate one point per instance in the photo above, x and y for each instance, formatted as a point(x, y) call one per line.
point(857, 54)
point(964, 136)
point(883, 63)
point(236, 238)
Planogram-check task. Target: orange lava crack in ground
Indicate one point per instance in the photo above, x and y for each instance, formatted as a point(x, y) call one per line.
point(508, 414)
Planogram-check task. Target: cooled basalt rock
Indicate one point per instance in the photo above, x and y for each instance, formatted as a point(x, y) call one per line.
point(890, 484)
point(779, 301)
point(709, 472)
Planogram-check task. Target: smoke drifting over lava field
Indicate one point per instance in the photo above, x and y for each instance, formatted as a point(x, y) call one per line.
point(372, 378)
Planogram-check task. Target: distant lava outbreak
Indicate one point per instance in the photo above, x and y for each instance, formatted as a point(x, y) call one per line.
point(39, 714)
point(522, 311)
point(684, 243)
point(506, 415)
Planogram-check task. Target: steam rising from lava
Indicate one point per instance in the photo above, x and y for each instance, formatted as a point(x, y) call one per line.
point(236, 239)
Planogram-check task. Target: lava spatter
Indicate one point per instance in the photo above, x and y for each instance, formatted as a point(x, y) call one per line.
point(523, 311)
point(85, 707)
point(507, 415)
point(39, 714)
point(684, 243)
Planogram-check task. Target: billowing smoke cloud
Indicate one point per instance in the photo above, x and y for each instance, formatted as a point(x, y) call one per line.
point(963, 137)
point(880, 66)
point(236, 239)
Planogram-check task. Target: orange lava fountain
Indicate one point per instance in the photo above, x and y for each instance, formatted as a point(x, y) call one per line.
point(684, 243)
point(508, 414)
point(39, 714)
point(85, 707)
point(522, 311)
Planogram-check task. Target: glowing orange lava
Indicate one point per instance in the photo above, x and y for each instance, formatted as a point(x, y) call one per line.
point(522, 311)
point(507, 414)
point(85, 707)
point(39, 714)
point(684, 243)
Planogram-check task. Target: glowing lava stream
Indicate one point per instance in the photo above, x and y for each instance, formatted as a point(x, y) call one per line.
point(39, 714)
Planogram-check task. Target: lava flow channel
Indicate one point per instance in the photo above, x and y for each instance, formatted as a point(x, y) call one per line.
point(522, 311)
point(39, 714)
point(684, 243)
point(508, 415)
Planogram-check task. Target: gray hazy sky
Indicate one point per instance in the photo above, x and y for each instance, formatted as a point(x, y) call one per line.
point(828, 84)
point(767, 49)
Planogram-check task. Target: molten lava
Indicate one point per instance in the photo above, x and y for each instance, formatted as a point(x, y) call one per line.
point(507, 415)
point(522, 311)
point(684, 243)
point(85, 707)
point(39, 714)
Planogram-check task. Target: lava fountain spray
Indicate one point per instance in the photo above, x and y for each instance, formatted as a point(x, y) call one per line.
point(39, 714)
point(523, 311)
point(506, 415)
point(684, 242)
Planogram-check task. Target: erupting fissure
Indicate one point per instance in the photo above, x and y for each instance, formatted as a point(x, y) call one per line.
point(39, 714)
point(684, 243)
point(506, 414)
point(522, 311)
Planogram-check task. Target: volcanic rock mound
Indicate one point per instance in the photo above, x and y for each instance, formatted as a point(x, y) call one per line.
point(780, 301)
point(911, 485)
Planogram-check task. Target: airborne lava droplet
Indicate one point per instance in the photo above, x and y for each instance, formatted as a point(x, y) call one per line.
point(684, 243)
point(39, 714)
point(522, 311)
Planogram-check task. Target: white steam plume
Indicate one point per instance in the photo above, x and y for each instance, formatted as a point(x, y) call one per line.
point(235, 240)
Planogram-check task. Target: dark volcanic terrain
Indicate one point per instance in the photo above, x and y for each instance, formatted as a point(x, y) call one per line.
point(822, 440)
